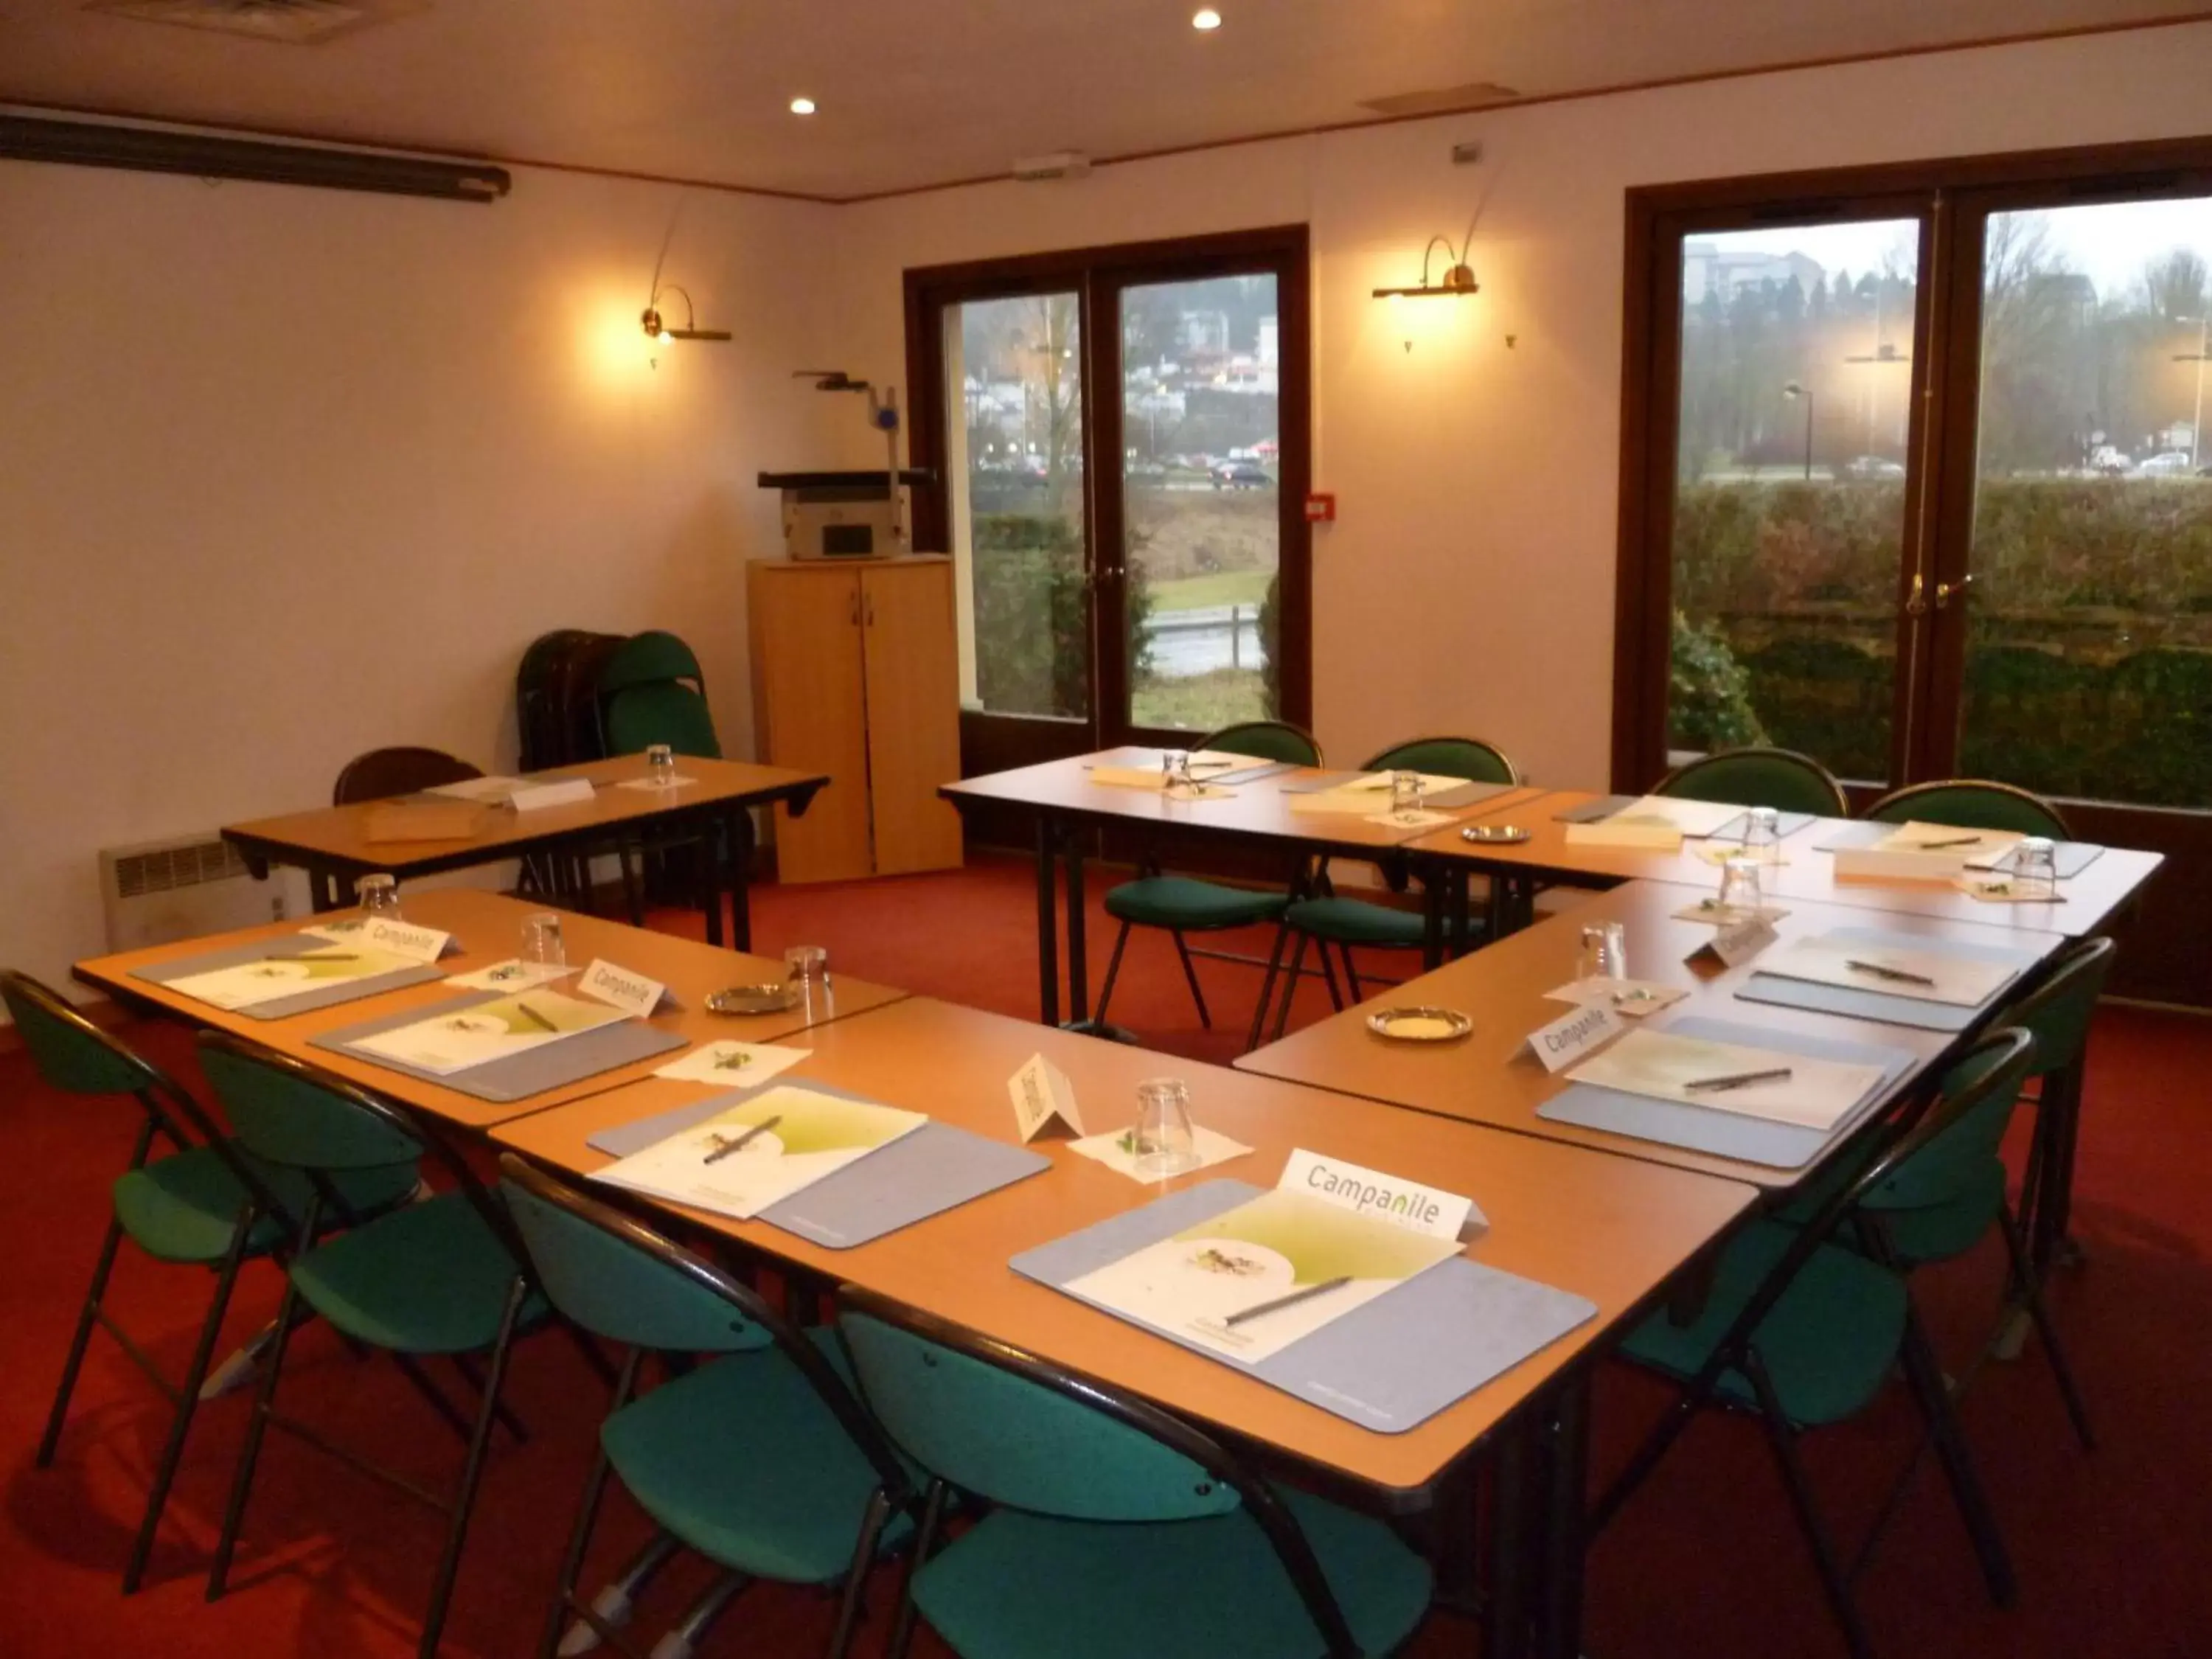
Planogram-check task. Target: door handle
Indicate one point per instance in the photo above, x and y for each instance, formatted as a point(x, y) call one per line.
point(1915, 603)
point(854, 610)
point(868, 601)
point(1944, 590)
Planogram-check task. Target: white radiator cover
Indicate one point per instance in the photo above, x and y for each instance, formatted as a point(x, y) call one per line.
point(157, 891)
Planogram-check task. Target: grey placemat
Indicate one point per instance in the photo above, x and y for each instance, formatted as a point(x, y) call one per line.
point(1251, 774)
point(1728, 1134)
point(1389, 1364)
point(1591, 810)
point(1786, 824)
point(552, 1066)
point(937, 1168)
point(1886, 1005)
point(2069, 857)
point(1467, 794)
point(299, 1002)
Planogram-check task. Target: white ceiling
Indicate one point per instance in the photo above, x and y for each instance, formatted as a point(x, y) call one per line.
point(920, 91)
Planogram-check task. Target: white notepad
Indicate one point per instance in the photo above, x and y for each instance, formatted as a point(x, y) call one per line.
point(1959, 981)
point(1818, 1094)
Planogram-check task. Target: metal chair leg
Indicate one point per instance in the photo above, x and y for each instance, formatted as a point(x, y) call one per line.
point(1350, 973)
point(249, 1454)
point(682, 1640)
point(1926, 1380)
point(1783, 1438)
point(1113, 969)
point(465, 1500)
point(86, 1320)
point(1268, 988)
point(2030, 1292)
point(1328, 977)
point(1291, 987)
point(872, 1524)
point(925, 1540)
point(1190, 973)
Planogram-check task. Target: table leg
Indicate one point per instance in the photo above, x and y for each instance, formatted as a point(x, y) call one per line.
point(1047, 924)
point(1566, 1477)
point(1078, 958)
point(740, 877)
point(1436, 884)
point(710, 882)
point(1506, 1609)
point(325, 891)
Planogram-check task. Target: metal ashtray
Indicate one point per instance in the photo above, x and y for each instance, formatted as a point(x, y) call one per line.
point(1494, 834)
point(1420, 1024)
point(771, 998)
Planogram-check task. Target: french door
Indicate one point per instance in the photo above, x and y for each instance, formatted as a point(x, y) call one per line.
point(1119, 444)
point(1913, 481)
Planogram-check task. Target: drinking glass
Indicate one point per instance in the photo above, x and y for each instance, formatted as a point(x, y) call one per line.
point(379, 896)
point(1165, 1142)
point(660, 765)
point(1604, 953)
point(1405, 791)
point(2035, 869)
point(1762, 834)
point(806, 970)
point(541, 940)
point(1176, 777)
point(1740, 894)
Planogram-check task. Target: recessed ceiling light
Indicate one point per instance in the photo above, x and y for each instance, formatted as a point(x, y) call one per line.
point(1205, 19)
point(802, 107)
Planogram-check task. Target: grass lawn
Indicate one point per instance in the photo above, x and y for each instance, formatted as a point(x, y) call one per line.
point(1223, 587)
point(1201, 703)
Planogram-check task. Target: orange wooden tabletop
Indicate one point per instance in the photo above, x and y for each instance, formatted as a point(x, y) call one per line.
point(2091, 898)
point(489, 929)
point(340, 834)
point(1612, 1229)
point(1485, 1079)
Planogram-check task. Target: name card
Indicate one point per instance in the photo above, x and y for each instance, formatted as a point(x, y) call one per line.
point(403, 939)
point(1041, 1094)
point(568, 791)
point(1567, 1040)
point(1738, 942)
point(618, 988)
point(1407, 1204)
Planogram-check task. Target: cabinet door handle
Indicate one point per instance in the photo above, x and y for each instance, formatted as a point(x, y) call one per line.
point(869, 601)
point(855, 608)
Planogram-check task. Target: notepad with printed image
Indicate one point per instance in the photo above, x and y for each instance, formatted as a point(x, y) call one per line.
point(776, 1142)
point(271, 978)
point(1781, 1087)
point(1897, 971)
point(486, 1031)
point(1248, 1283)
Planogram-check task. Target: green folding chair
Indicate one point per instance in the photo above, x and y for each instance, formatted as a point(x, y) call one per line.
point(1184, 904)
point(1780, 778)
point(1971, 804)
point(760, 1460)
point(444, 1278)
point(205, 1203)
point(2058, 1014)
point(651, 690)
point(1805, 1330)
point(1112, 1528)
point(1327, 918)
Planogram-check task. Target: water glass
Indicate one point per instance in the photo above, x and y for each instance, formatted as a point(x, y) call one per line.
point(1405, 791)
point(2035, 869)
point(1604, 953)
point(1740, 894)
point(541, 940)
point(660, 766)
point(1762, 834)
point(1176, 777)
point(379, 896)
point(1165, 1142)
point(806, 971)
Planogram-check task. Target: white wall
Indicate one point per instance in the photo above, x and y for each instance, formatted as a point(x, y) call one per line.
point(1468, 585)
point(287, 474)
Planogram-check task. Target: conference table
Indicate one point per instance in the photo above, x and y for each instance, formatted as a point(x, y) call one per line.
point(488, 928)
point(337, 845)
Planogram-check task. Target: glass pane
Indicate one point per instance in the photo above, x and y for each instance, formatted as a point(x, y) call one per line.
point(1795, 401)
point(2088, 647)
point(1013, 370)
point(1200, 503)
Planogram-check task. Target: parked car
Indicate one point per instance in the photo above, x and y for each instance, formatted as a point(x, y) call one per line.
point(1871, 466)
point(2110, 461)
point(1241, 475)
point(2166, 464)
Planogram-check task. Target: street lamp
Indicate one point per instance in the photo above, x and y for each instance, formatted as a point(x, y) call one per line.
point(2197, 426)
point(1794, 390)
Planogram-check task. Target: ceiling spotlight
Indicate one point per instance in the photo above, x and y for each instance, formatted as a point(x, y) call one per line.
point(1205, 20)
point(802, 107)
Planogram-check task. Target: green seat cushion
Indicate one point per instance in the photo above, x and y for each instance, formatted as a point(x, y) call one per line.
point(432, 1278)
point(185, 1207)
point(1020, 1584)
point(1190, 906)
point(1356, 922)
point(1829, 1343)
point(743, 1462)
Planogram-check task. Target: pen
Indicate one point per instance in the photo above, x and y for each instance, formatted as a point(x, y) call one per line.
point(1291, 1300)
point(1740, 1079)
point(1955, 840)
point(729, 1146)
point(325, 956)
point(1897, 973)
point(537, 1019)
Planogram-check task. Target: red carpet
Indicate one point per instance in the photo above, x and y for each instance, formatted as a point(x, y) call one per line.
point(1704, 1564)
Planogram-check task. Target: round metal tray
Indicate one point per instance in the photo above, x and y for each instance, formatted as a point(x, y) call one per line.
point(1413, 1024)
point(772, 998)
point(1494, 834)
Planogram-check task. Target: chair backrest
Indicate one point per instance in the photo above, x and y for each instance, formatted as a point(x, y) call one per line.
point(1946, 1156)
point(69, 1052)
point(660, 711)
point(650, 657)
point(286, 1112)
point(1971, 804)
point(2056, 1013)
point(1780, 778)
point(1267, 740)
point(401, 771)
point(1471, 758)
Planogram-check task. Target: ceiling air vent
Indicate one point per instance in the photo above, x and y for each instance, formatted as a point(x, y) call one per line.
point(1441, 101)
point(286, 22)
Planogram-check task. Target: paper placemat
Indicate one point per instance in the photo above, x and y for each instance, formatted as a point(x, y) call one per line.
point(1729, 1134)
point(937, 1168)
point(1887, 1007)
point(1252, 774)
point(1321, 781)
point(1786, 824)
point(1591, 810)
point(553, 1065)
point(2070, 857)
point(301, 1002)
point(1467, 794)
point(1388, 1365)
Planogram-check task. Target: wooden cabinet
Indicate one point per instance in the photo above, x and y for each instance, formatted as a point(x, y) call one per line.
point(856, 673)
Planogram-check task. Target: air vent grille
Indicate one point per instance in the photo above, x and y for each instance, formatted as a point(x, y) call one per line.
point(286, 22)
point(1442, 100)
point(164, 869)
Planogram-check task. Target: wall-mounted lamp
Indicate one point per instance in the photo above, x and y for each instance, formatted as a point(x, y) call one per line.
point(1457, 280)
point(656, 329)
